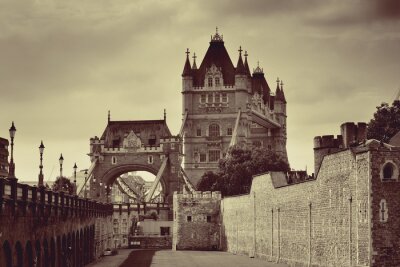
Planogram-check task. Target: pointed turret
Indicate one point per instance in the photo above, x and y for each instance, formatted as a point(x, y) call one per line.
point(194, 66)
point(240, 69)
point(187, 70)
point(282, 93)
point(278, 90)
point(246, 65)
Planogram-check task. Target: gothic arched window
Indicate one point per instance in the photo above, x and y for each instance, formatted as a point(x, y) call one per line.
point(213, 130)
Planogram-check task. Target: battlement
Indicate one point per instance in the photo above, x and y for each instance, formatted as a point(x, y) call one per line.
point(199, 195)
point(143, 148)
point(171, 139)
point(328, 141)
point(351, 134)
point(96, 141)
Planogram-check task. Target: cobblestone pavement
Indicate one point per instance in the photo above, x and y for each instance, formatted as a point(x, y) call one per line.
point(169, 258)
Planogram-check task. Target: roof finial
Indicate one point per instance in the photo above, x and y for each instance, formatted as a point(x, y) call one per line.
point(165, 114)
point(240, 50)
point(109, 116)
point(187, 52)
point(245, 53)
point(277, 80)
point(258, 64)
point(282, 84)
point(217, 37)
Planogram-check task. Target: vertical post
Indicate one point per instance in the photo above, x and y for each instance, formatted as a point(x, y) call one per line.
point(279, 235)
point(309, 233)
point(350, 232)
point(237, 233)
point(272, 233)
point(254, 224)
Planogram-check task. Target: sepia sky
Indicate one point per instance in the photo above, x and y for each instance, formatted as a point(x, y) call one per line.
point(64, 64)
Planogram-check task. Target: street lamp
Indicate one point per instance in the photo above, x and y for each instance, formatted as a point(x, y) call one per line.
point(11, 170)
point(41, 149)
point(75, 167)
point(61, 160)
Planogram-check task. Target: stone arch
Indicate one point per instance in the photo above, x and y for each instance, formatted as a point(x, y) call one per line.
point(59, 251)
point(29, 255)
point(63, 251)
point(19, 255)
point(81, 248)
point(113, 173)
point(7, 255)
point(38, 253)
point(69, 250)
point(53, 252)
point(46, 259)
point(73, 252)
point(389, 171)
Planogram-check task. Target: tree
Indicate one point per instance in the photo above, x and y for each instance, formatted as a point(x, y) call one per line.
point(385, 123)
point(63, 184)
point(238, 168)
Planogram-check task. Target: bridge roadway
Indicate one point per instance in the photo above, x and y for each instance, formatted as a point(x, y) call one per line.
point(169, 258)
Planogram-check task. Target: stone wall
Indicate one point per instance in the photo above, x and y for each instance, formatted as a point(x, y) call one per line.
point(196, 221)
point(309, 223)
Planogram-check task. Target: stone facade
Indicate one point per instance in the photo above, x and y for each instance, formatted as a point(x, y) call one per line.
point(3, 157)
point(347, 216)
point(40, 227)
point(225, 105)
point(196, 221)
point(127, 146)
point(124, 214)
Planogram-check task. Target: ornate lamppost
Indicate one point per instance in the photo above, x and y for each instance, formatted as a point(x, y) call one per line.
point(41, 149)
point(11, 170)
point(75, 167)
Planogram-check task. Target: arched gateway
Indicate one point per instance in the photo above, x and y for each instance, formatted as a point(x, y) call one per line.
point(135, 146)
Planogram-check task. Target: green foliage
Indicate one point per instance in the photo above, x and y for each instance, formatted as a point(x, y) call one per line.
point(63, 184)
point(386, 122)
point(238, 168)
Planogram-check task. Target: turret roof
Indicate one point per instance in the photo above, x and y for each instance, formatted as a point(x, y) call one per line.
point(240, 69)
point(187, 70)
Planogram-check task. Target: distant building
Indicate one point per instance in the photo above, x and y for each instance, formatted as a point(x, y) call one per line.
point(3, 157)
point(224, 105)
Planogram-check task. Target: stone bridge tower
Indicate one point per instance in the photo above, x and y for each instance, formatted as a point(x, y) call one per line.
point(224, 105)
point(135, 146)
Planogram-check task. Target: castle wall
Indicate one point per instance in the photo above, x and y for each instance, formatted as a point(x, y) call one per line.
point(385, 232)
point(196, 221)
point(314, 222)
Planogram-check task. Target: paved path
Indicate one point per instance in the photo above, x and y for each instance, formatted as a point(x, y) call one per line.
point(169, 258)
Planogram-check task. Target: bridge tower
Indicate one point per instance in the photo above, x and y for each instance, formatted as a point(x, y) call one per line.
point(126, 146)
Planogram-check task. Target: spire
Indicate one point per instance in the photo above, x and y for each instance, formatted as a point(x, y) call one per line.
point(246, 65)
point(109, 116)
point(187, 69)
point(258, 69)
point(278, 90)
point(217, 37)
point(282, 93)
point(194, 66)
point(240, 69)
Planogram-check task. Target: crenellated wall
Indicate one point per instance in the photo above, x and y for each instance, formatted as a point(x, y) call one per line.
point(333, 220)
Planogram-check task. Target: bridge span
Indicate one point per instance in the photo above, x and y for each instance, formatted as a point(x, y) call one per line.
point(40, 227)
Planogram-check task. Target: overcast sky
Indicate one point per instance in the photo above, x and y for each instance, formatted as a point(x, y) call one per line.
point(64, 64)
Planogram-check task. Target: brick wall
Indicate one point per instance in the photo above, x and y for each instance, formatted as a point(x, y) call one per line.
point(196, 221)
